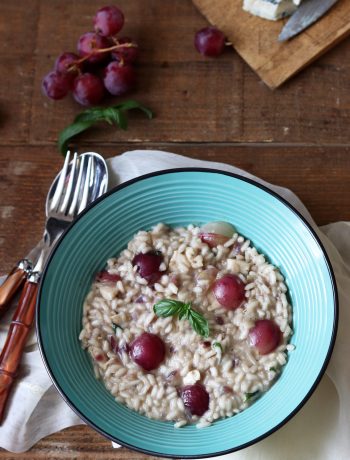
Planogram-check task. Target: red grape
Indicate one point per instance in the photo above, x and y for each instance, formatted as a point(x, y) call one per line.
point(100, 357)
point(213, 239)
point(148, 351)
point(195, 398)
point(265, 336)
point(126, 54)
point(148, 265)
point(215, 233)
point(114, 344)
point(229, 291)
point(66, 64)
point(119, 79)
point(56, 85)
point(89, 43)
point(108, 21)
point(105, 277)
point(88, 89)
point(209, 41)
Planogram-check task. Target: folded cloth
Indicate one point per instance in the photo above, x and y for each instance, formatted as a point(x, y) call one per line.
point(318, 432)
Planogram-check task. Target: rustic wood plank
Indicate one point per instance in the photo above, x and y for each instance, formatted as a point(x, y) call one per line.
point(79, 442)
point(15, 97)
point(18, 29)
point(169, 72)
point(195, 99)
point(320, 176)
point(255, 39)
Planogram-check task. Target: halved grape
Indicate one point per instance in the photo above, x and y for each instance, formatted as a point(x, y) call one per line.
point(265, 336)
point(105, 277)
point(213, 239)
point(114, 344)
point(229, 291)
point(215, 233)
point(219, 227)
point(148, 265)
point(195, 398)
point(148, 351)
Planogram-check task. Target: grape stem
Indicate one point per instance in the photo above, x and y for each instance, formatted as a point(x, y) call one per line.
point(98, 51)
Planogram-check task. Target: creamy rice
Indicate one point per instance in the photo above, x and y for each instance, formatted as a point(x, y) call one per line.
point(231, 370)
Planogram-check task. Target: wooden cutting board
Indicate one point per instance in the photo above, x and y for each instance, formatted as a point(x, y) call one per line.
point(255, 39)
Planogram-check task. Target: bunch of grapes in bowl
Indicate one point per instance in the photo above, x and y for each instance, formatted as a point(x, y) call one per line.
point(102, 65)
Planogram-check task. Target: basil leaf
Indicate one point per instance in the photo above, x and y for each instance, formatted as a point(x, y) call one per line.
point(168, 307)
point(71, 131)
point(131, 104)
point(115, 115)
point(94, 115)
point(121, 120)
point(198, 323)
point(171, 307)
point(185, 311)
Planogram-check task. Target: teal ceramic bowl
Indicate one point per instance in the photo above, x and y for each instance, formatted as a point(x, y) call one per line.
point(180, 197)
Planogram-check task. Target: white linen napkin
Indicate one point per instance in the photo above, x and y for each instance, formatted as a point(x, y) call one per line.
point(320, 431)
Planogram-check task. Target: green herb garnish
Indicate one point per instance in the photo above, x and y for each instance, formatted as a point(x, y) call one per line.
point(273, 369)
point(171, 307)
point(218, 345)
point(250, 396)
point(115, 115)
point(115, 327)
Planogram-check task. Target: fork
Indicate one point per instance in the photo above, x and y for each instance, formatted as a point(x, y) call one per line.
point(69, 198)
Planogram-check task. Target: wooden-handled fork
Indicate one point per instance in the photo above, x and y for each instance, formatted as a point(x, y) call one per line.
point(80, 182)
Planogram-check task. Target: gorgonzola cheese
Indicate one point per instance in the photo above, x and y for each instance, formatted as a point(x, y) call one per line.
point(271, 9)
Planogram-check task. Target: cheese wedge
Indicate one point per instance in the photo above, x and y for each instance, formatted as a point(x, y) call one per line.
point(271, 9)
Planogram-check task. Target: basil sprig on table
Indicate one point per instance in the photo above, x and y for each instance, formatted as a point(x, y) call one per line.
point(115, 115)
point(171, 307)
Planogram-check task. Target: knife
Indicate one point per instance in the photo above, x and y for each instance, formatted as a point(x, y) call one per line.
point(306, 14)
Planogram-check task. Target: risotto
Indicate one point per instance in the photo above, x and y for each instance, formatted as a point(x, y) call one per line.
point(188, 324)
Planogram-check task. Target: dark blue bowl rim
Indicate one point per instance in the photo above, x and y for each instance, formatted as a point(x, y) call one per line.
point(200, 170)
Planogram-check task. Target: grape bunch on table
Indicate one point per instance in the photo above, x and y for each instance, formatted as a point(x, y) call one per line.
point(103, 65)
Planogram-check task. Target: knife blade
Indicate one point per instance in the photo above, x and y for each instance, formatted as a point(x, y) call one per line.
point(307, 13)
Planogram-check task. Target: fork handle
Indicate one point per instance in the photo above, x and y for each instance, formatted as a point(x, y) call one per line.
point(13, 282)
point(16, 339)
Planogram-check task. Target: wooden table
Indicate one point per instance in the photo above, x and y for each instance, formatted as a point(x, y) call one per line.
point(213, 109)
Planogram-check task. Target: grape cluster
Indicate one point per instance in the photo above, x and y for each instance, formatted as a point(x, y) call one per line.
point(103, 65)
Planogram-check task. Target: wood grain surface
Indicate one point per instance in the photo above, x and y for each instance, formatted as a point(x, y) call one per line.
point(256, 39)
point(213, 109)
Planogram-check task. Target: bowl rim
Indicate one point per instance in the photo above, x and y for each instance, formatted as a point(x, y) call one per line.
point(253, 182)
